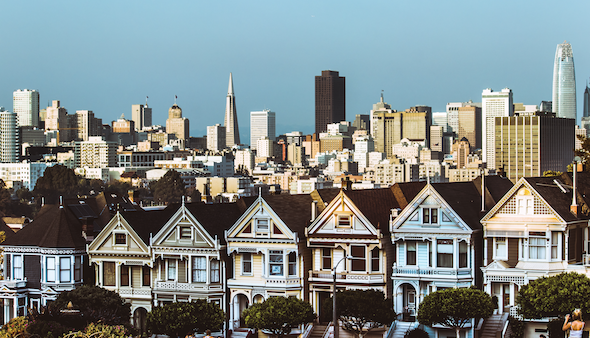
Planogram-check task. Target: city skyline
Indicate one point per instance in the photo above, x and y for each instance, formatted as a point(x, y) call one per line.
point(109, 69)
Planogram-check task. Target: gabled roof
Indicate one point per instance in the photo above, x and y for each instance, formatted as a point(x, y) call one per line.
point(464, 198)
point(294, 210)
point(145, 223)
point(216, 217)
point(496, 188)
point(405, 192)
point(549, 189)
point(375, 205)
point(324, 197)
point(8, 232)
point(53, 227)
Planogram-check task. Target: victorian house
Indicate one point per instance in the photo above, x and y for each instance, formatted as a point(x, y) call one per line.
point(41, 260)
point(350, 236)
point(538, 228)
point(267, 249)
point(438, 241)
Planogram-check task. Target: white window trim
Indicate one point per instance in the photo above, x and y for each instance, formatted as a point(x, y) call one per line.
point(282, 253)
point(22, 267)
point(242, 261)
point(257, 230)
point(115, 233)
point(496, 254)
point(180, 227)
point(337, 218)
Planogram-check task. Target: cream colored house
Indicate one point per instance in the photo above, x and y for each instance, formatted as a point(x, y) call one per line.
point(268, 252)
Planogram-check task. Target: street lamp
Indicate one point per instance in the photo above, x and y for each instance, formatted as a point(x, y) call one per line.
point(334, 315)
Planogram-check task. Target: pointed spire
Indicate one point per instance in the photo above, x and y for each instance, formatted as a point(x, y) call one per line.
point(381, 95)
point(230, 87)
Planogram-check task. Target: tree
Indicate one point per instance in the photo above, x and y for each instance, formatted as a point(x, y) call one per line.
point(182, 318)
point(168, 189)
point(5, 199)
point(584, 152)
point(95, 304)
point(455, 307)
point(361, 310)
point(58, 181)
point(279, 315)
point(554, 296)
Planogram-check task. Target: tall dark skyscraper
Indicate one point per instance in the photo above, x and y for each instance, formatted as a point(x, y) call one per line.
point(330, 100)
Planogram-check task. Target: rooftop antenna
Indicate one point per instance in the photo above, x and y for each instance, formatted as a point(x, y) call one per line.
point(146, 97)
point(175, 97)
point(381, 95)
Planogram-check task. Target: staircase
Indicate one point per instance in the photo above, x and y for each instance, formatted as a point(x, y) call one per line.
point(401, 328)
point(240, 333)
point(317, 331)
point(493, 326)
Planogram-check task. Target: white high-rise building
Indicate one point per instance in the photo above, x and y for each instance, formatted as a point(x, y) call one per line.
point(25, 103)
point(453, 116)
point(564, 82)
point(265, 147)
point(440, 119)
point(262, 124)
point(216, 137)
point(95, 153)
point(9, 147)
point(494, 104)
point(141, 115)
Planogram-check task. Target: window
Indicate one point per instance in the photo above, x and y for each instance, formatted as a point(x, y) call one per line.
point(358, 258)
point(124, 275)
point(199, 269)
point(343, 221)
point(500, 248)
point(276, 262)
point(185, 232)
point(375, 259)
point(292, 264)
point(145, 271)
point(444, 253)
point(246, 263)
point(120, 239)
point(262, 225)
point(537, 242)
point(17, 267)
point(215, 270)
point(430, 215)
point(554, 245)
point(171, 275)
point(463, 255)
point(326, 259)
point(411, 253)
point(65, 269)
point(78, 268)
point(50, 266)
point(109, 273)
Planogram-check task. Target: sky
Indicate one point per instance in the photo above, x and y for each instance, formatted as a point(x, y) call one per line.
point(105, 56)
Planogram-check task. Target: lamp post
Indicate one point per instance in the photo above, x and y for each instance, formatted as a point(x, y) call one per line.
point(334, 315)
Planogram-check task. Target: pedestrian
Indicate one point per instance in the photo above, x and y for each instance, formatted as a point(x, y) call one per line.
point(576, 327)
point(208, 334)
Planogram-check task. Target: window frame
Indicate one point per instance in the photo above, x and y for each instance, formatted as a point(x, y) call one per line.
point(215, 274)
point(182, 234)
point(171, 269)
point(430, 216)
point(358, 263)
point(276, 263)
point(497, 254)
point(50, 269)
point(343, 221)
point(246, 263)
point(535, 236)
point(124, 275)
point(199, 269)
point(375, 260)
point(116, 239)
point(326, 259)
point(440, 255)
point(78, 268)
point(292, 262)
point(411, 260)
point(65, 271)
point(145, 269)
point(17, 271)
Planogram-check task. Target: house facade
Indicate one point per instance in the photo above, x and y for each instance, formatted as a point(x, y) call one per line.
point(267, 251)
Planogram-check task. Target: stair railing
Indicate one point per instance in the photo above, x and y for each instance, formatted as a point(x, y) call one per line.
point(307, 330)
point(389, 332)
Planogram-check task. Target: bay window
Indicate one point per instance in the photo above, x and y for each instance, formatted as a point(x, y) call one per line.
point(276, 262)
point(444, 253)
point(358, 260)
point(537, 242)
point(65, 269)
point(199, 269)
point(50, 267)
point(17, 267)
point(411, 253)
point(215, 271)
point(292, 264)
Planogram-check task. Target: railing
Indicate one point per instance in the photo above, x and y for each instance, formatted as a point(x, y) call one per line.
point(283, 281)
point(14, 284)
point(432, 271)
point(389, 332)
point(329, 328)
point(126, 292)
point(177, 286)
point(349, 277)
point(307, 331)
point(586, 259)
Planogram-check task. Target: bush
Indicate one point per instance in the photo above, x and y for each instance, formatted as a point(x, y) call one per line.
point(16, 327)
point(47, 329)
point(100, 331)
point(516, 326)
point(554, 328)
point(417, 333)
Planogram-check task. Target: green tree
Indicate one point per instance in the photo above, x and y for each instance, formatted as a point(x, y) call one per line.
point(584, 152)
point(96, 304)
point(58, 181)
point(181, 318)
point(554, 296)
point(454, 308)
point(5, 199)
point(361, 310)
point(279, 315)
point(168, 189)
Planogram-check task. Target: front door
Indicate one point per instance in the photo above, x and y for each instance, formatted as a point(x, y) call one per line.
point(506, 297)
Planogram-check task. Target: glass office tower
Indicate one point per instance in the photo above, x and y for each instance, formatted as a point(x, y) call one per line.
point(564, 82)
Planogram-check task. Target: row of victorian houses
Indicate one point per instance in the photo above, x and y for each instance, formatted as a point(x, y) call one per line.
point(407, 240)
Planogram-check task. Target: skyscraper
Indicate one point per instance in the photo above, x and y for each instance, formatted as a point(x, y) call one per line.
point(386, 127)
point(564, 82)
point(262, 124)
point(330, 100)
point(141, 115)
point(232, 132)
point(25, 103)
point(9, 147)
point(470, 126)
point(586, 112)
point(177, 125)
point(494, 104)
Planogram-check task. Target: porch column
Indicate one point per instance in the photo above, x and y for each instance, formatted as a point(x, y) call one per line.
point(434, 249)
point(455, 253)
point(512, 293)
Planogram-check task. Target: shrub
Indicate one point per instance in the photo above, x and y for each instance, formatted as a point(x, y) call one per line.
point(516, 326)
point(101, 331)
point(554, 328)
point(417, 333)
point(46, 328)
point(16, 327)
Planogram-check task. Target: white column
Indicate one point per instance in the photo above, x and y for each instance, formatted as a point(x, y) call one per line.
point(512, 295)
point(434, 244)
point(190, 269)
point(455, 253)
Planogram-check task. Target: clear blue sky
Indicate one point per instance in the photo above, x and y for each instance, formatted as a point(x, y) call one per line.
point(107, 55)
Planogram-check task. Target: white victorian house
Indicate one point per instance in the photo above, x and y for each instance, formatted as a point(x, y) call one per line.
point(267, 251)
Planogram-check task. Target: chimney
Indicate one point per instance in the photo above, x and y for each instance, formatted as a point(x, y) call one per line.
point(88, 228)
point(133, 196)
point(314, 208)
point(574, 206)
